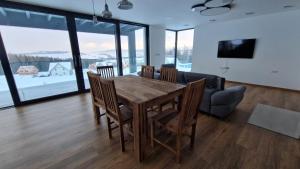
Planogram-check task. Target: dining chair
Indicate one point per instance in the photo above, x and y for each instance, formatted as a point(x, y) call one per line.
point(168, 74)
point(147, 71)
point(97, 98)
point(179, 123)
point(106, 71)
point(121, 115)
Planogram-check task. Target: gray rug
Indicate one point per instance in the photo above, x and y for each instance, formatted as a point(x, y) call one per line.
point(279, 120)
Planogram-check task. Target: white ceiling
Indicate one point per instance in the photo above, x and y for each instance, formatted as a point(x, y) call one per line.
point(173, 14)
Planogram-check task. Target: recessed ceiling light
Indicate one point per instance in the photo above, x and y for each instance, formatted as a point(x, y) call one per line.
point(249, 13)
point(288, 6)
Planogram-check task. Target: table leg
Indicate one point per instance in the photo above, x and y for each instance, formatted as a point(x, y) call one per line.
point(139, 131)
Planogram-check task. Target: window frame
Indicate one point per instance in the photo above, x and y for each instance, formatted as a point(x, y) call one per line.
point(71, 28)
point(176, 41)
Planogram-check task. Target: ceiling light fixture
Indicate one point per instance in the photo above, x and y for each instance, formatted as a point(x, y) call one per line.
point(213, 7)
point(106, 13)
point(249, 13)
point(288, 6)
point(125, 5)
point(95, 20)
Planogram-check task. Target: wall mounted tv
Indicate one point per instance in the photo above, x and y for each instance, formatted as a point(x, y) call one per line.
point(239, 48)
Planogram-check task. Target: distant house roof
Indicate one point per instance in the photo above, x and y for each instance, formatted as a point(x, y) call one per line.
point(66, 65)
point(27, 70)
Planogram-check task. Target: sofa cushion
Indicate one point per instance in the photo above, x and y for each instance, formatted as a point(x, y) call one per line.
point(180, 77)
point(205, 104)
point(211, 80)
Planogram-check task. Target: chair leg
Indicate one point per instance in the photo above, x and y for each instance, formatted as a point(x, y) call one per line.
point(193, 136)
point(152, 132)
point(96, 110)
point(122, 140)
point(178, 148)
point(109, 127)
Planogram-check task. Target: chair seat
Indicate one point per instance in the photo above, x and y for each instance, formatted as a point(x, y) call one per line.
point(168, 118)
point(126, 113)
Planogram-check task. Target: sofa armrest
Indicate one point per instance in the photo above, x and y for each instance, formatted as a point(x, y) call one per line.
point(228, 96)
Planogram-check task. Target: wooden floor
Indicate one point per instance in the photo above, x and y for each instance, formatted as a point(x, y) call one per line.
point(63, 134)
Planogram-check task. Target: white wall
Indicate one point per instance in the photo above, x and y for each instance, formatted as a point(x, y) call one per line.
point(277, 55)
point(157, 46)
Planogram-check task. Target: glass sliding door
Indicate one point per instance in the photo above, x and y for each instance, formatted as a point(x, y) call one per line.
point(185, 50)
point(170, 47)
point(97, 46)
point(39, 53)
point(5, 96)
point(133, 48)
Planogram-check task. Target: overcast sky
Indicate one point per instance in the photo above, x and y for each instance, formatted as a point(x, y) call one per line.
point(24, 40)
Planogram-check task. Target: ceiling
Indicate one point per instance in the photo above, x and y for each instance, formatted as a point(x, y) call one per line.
point(173, 14)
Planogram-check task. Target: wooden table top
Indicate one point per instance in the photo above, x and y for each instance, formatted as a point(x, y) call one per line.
point(140, 90)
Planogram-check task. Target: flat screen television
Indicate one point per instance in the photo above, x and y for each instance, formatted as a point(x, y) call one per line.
point(239, 48)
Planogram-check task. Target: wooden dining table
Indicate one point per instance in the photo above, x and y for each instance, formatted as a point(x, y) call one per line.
point(139, 94)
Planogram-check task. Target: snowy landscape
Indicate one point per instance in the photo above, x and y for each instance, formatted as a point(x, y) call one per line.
point(43, 82)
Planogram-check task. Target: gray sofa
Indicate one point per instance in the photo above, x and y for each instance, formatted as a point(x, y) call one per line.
point(216, 100)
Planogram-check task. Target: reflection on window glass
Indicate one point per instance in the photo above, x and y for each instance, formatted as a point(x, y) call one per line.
point(185, 50)
point(39, 52)
point(5, 96)
point(170, 47)
point(97, 46)
point(133, 48)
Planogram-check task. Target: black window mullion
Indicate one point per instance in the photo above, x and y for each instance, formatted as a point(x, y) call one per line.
point(119, 49)
point(76, 53)
point(8, 74)
point(176, 38)
point(147, 46)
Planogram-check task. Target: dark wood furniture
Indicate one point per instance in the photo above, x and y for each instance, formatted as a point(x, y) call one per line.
point(179, 122)
point(147, 71)
point(121, 115)
point(168, 74)
point(106, 71)
point(139, 94)
point(97, 98)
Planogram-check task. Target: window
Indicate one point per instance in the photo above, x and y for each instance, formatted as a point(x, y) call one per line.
point(97, 46)
point(170, 47)
point(133, 48)
point(185, 50)
point(5, 96)
point(36, 44)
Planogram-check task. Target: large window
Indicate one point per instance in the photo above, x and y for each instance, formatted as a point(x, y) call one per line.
point(170, 47)
point(39, 53)
point(5, 96)
point(47, 52)
point(185, 50)
point(133, 48)
point(97, 46)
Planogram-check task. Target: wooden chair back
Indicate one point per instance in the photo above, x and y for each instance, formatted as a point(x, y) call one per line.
point(110, 99)
point(147, 71)
point(168, 74)
point(106, 71)
point(94, 80)
point(190, 103)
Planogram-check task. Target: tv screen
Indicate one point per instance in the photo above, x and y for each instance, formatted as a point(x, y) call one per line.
point(240, 48)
